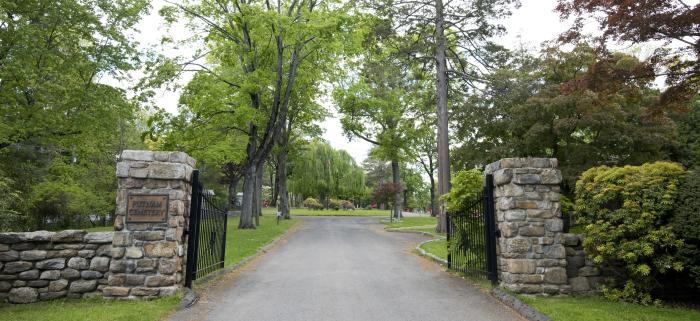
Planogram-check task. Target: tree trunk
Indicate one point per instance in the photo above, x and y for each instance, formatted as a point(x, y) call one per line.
point(258, 194)
point(283, 205)
point(232, 194)
point(396, 179)
point(274, 184)
point(247, 204)
point(433, 203)
point(443, 138)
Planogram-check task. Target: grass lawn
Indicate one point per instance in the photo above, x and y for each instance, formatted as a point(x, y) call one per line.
point(90, 309)
point(241, 244)
point(599, 309)
point(421, 224)
point(412, 222)
point(307, 212)
point(437, 248)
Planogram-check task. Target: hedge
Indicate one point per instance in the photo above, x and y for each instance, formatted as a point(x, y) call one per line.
point(627, 212)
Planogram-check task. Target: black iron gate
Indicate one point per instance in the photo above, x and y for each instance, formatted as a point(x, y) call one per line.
point(206, 243)
point(471, 237)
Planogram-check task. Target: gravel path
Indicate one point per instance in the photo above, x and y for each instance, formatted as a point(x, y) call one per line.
point(344, 268)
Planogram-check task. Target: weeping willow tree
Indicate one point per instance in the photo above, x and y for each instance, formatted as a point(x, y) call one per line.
point(324, 173)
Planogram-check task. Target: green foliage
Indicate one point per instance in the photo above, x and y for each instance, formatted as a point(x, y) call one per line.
point(334, 204)
point(10, 201)
point(376, 105)
point(416, 192)
point(567, 205)
point(324, 172)
point(466, 184)
point(626, 211)
point(686, 224)
point(61, 126)
point(313, 204)
point(347, 205)
point(688, 152)
point(67, 197)
point(584, 107)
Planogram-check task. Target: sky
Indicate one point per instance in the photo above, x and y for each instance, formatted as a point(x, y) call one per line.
point(531, 24)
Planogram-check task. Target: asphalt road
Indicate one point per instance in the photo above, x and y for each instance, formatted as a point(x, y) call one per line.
point(344, 268)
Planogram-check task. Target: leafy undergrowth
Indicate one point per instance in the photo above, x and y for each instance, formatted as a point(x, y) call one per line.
point(600, 309)
point(296, 211)
point(94, 309)
point(241, 244)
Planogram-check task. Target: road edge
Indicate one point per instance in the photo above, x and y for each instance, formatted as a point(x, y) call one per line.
point(429, 255)
point(191, 297)
point(526, 311)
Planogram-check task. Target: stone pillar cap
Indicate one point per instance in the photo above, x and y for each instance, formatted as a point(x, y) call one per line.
point(528, 162)
point(157, 156)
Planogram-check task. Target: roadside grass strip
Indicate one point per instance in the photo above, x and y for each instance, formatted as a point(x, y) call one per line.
point(90, 310)
point(435, 249)
point(412, 222)
point(594, 308)
point(240, 244)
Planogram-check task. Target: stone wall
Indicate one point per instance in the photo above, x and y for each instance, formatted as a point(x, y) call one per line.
point(45, 265)
point(149, 258)
point(584, 277)
point(531, 253)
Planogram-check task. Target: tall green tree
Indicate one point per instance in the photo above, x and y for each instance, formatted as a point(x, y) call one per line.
point(62, 126)
point(584, 107)
point(458, 34)
point(376, 106)
point(322, 172)
point(259, 51)
point(688, 149)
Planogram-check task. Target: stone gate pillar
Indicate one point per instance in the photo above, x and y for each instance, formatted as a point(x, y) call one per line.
point(149, 245)
point(531, 253)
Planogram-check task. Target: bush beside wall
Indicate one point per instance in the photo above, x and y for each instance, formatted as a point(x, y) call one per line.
point(626, 212)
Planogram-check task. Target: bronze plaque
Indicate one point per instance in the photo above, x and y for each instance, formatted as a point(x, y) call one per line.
point(147, 209)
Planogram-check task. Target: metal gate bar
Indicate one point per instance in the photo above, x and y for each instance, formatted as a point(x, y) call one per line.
point(206, 243)
point(471, 236)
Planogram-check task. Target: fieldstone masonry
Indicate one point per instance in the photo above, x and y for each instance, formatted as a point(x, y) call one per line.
point(584, 276)
point(531, 253)
point(44, 265)
point(148, 259)
point(138, 260)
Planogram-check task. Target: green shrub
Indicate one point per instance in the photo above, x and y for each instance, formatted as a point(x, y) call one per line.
point(686, 224)
point(347, 205)
point(10, 217)
point(334, 204)
point(626, 213)
point(312, 203)
point(466, 184)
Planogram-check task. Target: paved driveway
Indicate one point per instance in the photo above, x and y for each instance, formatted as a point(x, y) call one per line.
point(344, 268)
